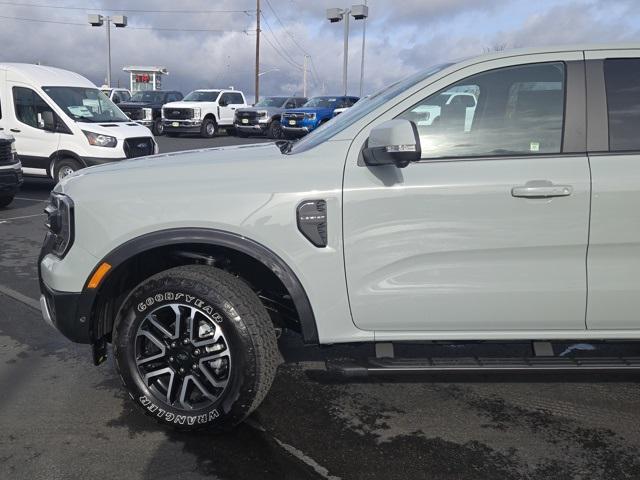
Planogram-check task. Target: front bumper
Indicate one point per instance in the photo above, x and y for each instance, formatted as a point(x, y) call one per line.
point(252, 128)
point(10, 179)
point(68, 312)
point(301, 131)
point(184, 126)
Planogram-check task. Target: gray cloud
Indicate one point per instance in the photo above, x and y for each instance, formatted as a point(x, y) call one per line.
point(402, 37)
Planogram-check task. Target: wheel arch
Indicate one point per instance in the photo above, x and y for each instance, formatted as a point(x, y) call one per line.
point(192, 243)
point(60, 155)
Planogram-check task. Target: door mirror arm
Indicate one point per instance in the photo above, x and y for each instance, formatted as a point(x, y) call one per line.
point(394, 142)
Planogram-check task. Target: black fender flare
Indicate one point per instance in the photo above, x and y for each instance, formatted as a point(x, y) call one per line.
point(221, 238)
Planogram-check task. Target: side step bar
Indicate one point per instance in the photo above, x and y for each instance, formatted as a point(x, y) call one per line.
point(393, 366)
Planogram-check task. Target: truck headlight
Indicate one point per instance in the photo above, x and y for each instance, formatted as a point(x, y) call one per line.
point(99, 140)
point(262, 116)
point(147, 114)
point(197, 113)
point(14, 152)
point(162, 113)
point(310, 116)
point(59, 222)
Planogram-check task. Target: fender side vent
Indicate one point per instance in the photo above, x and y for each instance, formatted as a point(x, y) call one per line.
point(312, 221)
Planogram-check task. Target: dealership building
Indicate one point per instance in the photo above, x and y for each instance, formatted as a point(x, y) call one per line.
point(145, 78)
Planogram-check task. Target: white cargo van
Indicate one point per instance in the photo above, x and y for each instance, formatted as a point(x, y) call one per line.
point(62, 122)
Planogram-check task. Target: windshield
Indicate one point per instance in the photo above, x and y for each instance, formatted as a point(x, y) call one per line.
point(200, 96)
point(322, 102)
point(271, 102)
point(86, 104)
point(363, 107)
point(149, 97)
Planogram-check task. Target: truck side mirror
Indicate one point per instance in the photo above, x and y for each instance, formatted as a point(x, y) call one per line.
point(394, 142)
point(222, 103)
point(48, 121)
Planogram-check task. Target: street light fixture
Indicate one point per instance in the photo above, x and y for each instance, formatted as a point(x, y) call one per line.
point(334, 15)
point(120, 21)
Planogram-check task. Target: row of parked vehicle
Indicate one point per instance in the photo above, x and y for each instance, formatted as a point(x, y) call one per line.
point(54, 122)
point(206, 111)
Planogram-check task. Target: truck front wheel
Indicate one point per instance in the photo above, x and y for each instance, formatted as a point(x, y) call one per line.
point(195, 348)
point(209, 128)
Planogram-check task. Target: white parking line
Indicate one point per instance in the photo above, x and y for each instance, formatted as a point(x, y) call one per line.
point(291, 450)
point(30, 199)
point(7, 220)
point(9, 292)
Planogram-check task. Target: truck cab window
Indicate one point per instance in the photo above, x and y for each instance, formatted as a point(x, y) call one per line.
point(509, 111)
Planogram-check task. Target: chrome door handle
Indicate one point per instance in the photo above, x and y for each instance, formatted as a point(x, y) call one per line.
point(541, 190)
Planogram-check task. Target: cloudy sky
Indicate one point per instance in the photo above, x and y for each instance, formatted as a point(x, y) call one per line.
point(211, 43)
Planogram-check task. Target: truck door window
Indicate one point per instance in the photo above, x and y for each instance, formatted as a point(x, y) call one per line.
point(508, 111)
point(622, 81)
point(29, 107)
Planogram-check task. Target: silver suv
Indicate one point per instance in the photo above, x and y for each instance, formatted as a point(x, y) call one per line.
point(382, 227)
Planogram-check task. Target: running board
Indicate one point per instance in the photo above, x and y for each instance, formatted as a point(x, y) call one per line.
point(392, 366)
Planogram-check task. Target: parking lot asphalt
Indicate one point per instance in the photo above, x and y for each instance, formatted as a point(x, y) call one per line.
point(63, 418)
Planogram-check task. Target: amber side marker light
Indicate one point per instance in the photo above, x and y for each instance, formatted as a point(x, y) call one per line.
point(99, 274)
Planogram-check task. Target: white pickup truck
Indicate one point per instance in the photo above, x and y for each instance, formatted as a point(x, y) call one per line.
point(203, 112)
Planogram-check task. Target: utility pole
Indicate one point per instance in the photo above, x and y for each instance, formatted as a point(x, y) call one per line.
point(304, 76)
point(257, 87)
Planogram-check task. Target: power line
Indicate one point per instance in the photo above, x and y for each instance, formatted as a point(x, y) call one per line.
point(290, 35)
point(60, 22)
point(130, 10)
point(285, 29)
point(277, 41)
point(292, 63)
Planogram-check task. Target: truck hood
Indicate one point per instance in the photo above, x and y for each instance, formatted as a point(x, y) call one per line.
point(135, 104)
point(120, 130)
point(317, 111)
point(176, 166)
point(187, 104)
point(269, 110)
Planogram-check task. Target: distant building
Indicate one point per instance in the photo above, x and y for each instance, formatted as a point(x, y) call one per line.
point(145, 78)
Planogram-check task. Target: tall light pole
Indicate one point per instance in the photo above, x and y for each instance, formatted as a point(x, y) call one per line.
point(120, 21)
point(257, 77)
point(363, 12)
point(334, 15)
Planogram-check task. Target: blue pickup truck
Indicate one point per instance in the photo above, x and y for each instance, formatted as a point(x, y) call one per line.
point(297, 122)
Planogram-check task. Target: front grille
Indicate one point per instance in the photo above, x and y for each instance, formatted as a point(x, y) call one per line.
point(138, 147)
point(251, 117)
point(6, 157)
point(293, 116)
point(178, 113)
point(134, 113)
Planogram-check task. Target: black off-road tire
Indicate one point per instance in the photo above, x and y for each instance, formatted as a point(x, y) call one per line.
point(158, 127)
point(209, 128)
point(65, 167)
point(5, 200)
point(245, 325)
point(275, 130)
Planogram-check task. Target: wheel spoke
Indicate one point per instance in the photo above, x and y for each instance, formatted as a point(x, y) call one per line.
point(204, 368)
point(157, 342)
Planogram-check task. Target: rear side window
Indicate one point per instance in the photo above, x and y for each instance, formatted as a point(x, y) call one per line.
point(622, 80)
point(29, 107)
